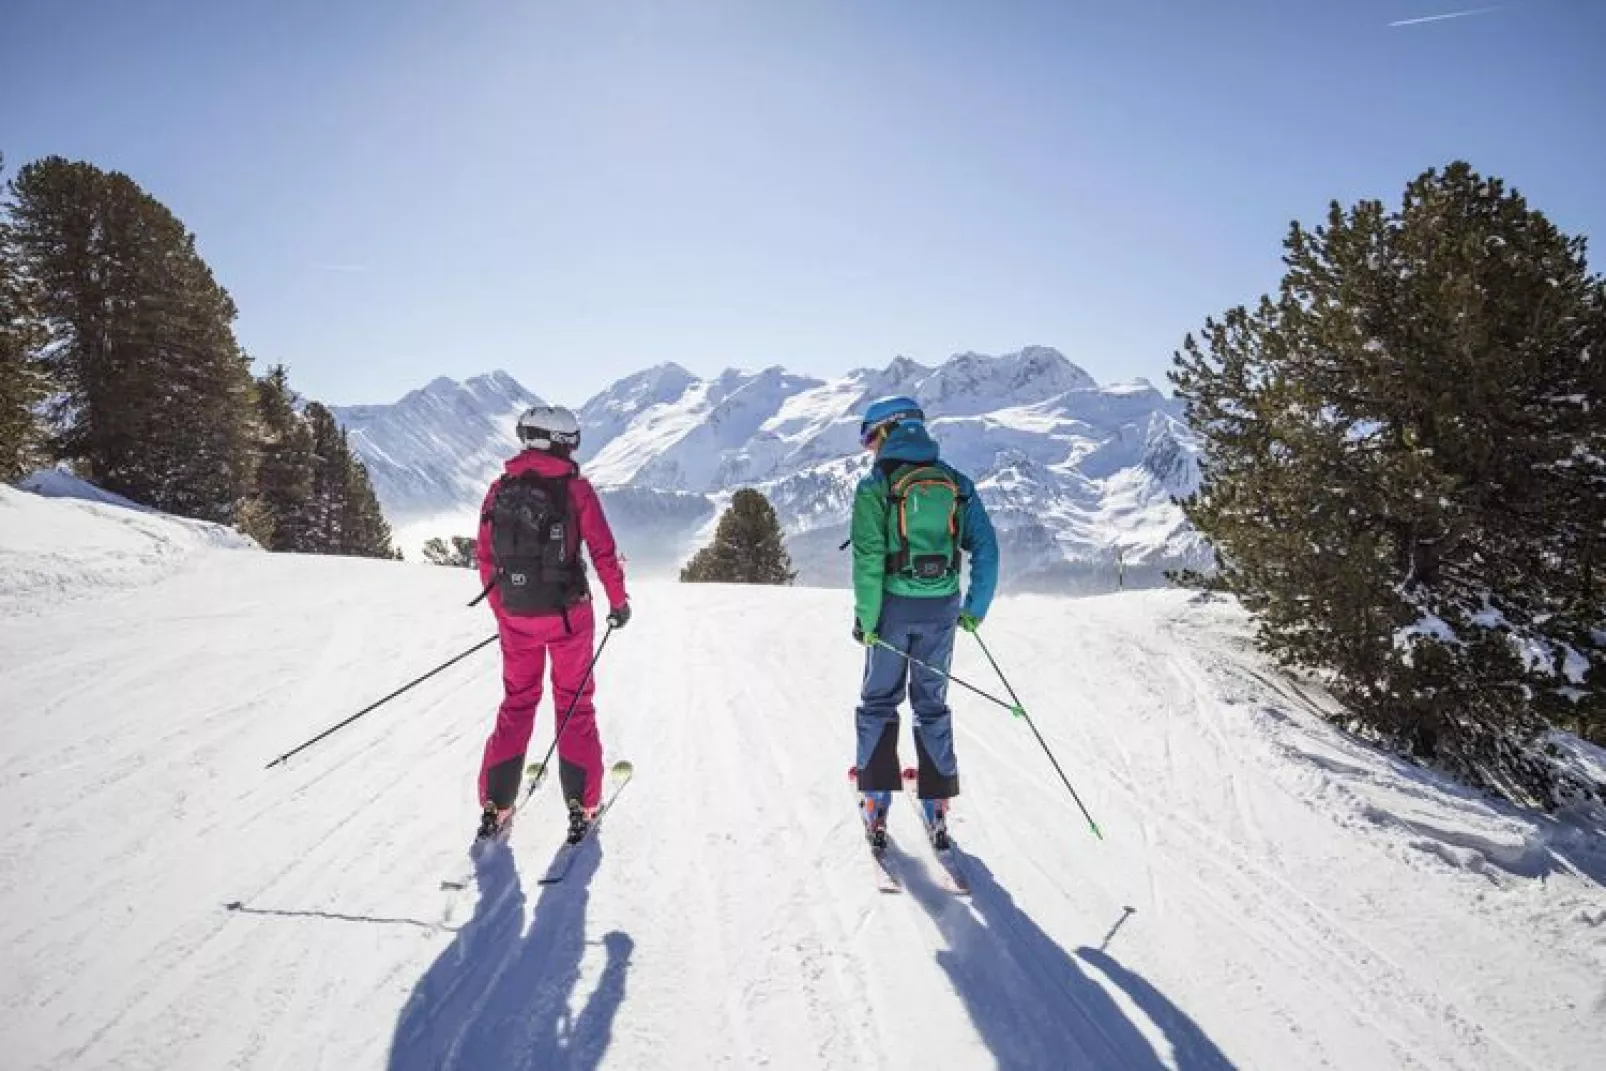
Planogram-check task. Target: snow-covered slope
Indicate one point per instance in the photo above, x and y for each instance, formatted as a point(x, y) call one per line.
point(1270, 893)
point(64, 539)
point(1077, 474)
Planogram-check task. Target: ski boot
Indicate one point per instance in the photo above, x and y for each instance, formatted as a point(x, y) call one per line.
point(875, 819)
point(580, 821)
point(494, 822)
point(936, 814)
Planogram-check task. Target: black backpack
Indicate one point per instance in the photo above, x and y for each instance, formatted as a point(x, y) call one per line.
point(535, 546)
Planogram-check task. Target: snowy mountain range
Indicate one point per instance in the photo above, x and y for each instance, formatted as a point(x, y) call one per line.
point(1074, 473)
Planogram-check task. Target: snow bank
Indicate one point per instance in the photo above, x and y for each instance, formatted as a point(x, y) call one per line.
point(64, 538)
point(57, 483)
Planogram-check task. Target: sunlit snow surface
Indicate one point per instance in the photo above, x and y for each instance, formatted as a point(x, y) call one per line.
point(1270, 894)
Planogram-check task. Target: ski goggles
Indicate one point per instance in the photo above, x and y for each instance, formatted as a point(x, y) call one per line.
point(870, 434)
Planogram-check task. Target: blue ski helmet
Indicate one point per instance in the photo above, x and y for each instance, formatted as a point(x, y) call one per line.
point(887, 412)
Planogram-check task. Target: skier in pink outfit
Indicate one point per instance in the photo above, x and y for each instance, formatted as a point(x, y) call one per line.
point(534, 519)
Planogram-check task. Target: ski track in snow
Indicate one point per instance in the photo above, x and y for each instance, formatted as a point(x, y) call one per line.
point(1271, 893)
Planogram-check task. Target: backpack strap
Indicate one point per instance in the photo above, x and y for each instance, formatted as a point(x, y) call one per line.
point(490, 499)
point(898, 560)
point(961, 500)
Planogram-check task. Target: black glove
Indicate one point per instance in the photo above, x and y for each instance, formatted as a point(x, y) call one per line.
point(619, 617)
point(860, 636)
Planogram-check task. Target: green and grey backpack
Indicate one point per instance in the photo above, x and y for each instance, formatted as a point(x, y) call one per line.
point(925, 507)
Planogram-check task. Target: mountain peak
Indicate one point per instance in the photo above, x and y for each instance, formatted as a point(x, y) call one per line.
point(899, 377)
point(652, 386)
point(976, 382)
point(499, 378)
point(499, 386)
point(1028, 363)
point(901, 366)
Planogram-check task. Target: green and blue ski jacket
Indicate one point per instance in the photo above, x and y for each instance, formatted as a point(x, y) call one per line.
point(910, 444)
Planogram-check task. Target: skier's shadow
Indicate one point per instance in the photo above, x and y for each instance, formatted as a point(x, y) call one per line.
point(496, 998)
point(1029, 999)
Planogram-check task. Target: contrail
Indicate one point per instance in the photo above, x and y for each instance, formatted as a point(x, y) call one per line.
point(1441, 18)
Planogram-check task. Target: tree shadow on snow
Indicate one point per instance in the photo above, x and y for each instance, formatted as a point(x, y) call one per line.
point(500, 998)
point(1032, 1003)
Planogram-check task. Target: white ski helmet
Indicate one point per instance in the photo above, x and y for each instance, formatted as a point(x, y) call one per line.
point(551, 428)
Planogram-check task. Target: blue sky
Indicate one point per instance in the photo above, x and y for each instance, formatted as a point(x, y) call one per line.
point(397, 189)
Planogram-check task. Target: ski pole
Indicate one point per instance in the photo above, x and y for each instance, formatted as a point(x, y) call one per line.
point(949, 677)
point(379, 703)
point(564, 724)
point(1094, 826)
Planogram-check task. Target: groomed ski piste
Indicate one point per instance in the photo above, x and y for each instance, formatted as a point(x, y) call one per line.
point(1270, 893)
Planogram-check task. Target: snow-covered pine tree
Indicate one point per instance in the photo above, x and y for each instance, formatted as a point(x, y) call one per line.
point(155, 401)
point(23, 380)
point(1405, 473)
point(748, 546)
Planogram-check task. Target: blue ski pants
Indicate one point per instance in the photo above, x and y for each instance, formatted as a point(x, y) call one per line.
point(924, 630)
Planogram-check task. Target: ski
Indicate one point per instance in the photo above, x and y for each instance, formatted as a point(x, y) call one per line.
point(619, 776)
point(460, 878)
point(947, 857)
point(886, 880)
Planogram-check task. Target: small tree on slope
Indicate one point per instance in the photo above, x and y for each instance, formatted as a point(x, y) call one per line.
point(748, 547)
point(459, 554)
point(1405, 473)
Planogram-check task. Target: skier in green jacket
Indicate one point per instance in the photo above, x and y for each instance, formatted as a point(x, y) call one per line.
point(914, 518)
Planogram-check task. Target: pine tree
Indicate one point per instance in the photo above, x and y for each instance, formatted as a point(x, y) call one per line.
point(320, 521)
point(284, 460)
point(748, 546)
point(156, 393)
point(24, 383)
point(1405, 473)
point(342, 514)
point(365, 532)
point(460, 554)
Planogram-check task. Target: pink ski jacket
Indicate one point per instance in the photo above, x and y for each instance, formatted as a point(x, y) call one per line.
point(583, 504)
